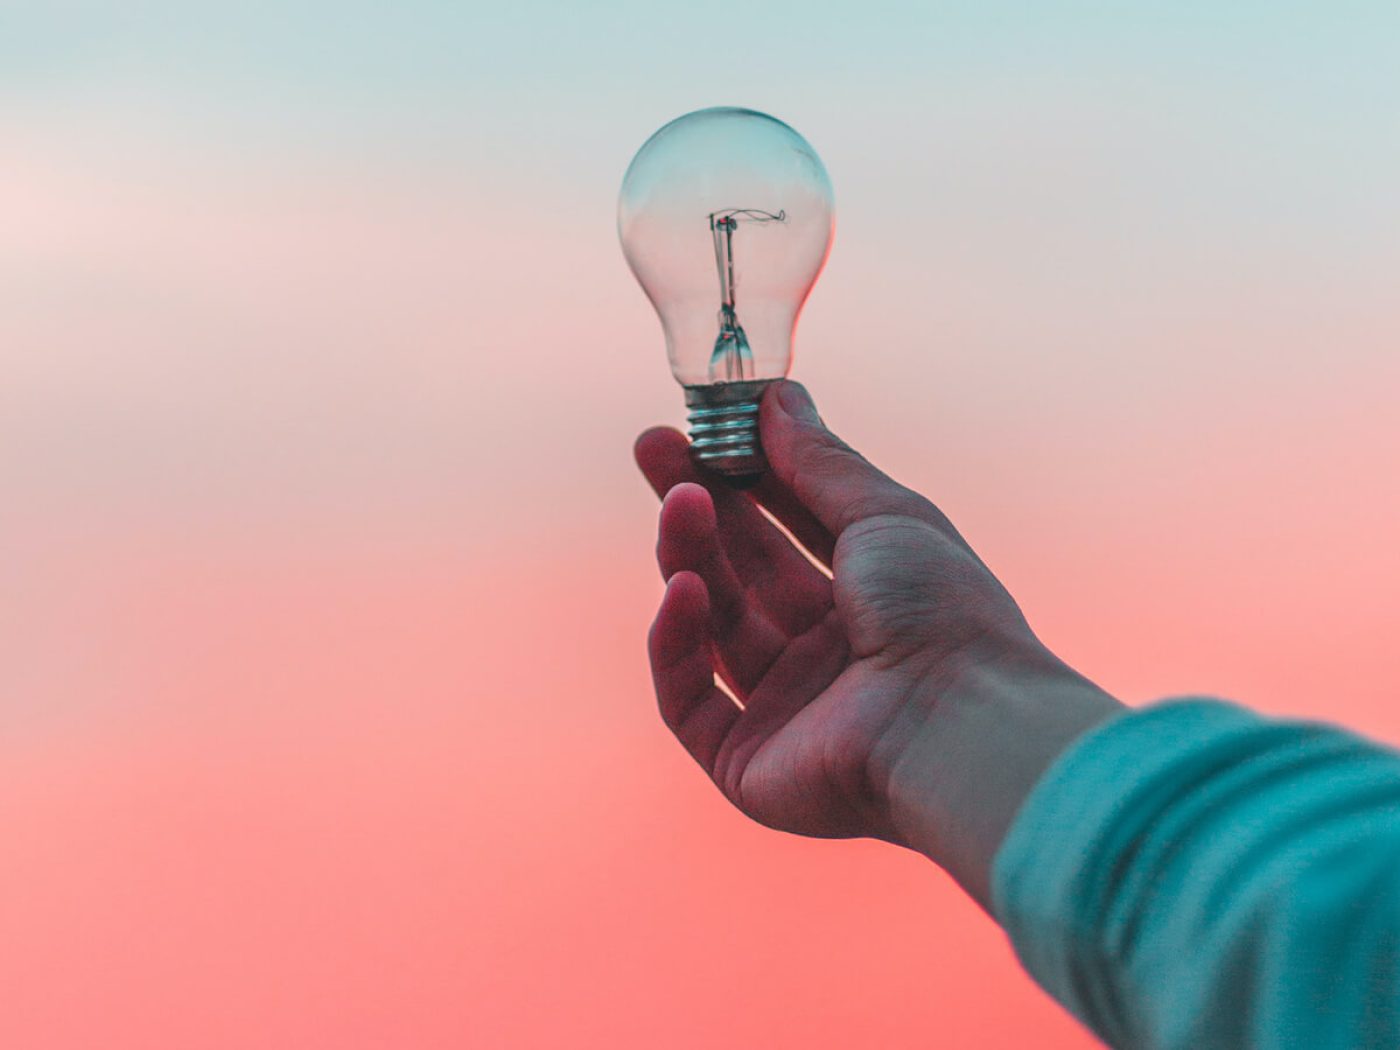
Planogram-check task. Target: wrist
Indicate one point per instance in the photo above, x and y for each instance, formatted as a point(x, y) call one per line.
point(974, 738)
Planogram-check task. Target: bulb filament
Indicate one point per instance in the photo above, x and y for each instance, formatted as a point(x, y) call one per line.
point(732, 356)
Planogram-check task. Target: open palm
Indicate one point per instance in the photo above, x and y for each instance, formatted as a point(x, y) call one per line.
point(835, 672)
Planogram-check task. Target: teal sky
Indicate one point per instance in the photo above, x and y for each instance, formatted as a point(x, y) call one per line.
point(310, 66)
point(1233, 111)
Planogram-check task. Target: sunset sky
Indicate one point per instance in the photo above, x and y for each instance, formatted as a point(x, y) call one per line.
point(324, 713)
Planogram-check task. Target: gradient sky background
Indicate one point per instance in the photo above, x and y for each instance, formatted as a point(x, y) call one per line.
point(324, 570)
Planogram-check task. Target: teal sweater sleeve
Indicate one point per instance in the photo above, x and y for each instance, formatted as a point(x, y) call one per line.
point(1194, 875)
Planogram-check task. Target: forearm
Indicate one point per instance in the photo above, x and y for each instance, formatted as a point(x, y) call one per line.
point(964, 755)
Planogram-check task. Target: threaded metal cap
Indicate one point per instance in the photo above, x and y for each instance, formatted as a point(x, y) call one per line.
point(724, 433)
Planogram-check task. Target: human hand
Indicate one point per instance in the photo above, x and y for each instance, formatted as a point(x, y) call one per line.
point(851, 685)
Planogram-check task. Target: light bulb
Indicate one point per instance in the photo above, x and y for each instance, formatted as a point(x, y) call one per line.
point(725, 217)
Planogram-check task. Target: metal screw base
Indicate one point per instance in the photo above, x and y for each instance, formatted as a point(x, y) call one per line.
point(724, 429)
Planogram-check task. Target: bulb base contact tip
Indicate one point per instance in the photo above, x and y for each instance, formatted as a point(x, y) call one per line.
point(724, 434)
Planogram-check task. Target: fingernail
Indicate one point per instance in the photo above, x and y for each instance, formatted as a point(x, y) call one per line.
point(796, 402)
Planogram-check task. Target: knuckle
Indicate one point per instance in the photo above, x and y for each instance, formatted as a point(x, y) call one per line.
point(831, 457)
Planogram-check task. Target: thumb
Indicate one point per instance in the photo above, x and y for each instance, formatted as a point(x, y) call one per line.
point(833, 481)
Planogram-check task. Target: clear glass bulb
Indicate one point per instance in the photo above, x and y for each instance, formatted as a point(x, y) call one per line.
point(726, 218)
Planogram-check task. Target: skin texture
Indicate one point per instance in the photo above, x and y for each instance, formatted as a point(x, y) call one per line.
point(893, 691)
